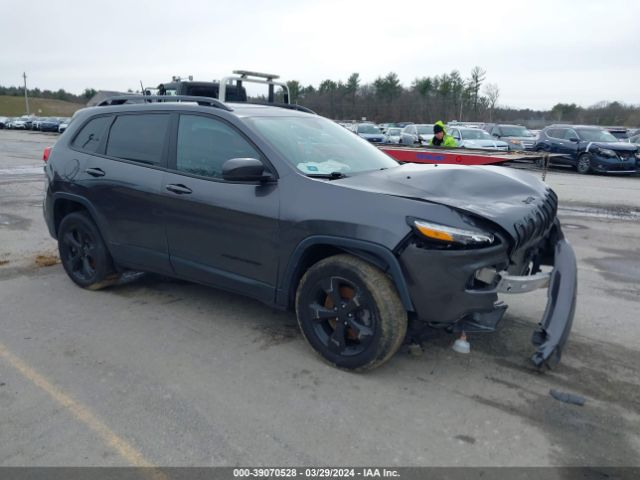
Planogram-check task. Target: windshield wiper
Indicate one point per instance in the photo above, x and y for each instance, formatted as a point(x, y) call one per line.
point(330, 176)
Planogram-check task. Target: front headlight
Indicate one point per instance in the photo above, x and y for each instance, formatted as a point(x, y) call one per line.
point(459, 236)
point(606, 152)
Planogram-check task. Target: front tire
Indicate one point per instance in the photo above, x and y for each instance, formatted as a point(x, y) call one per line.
point(83, 253)
point(350, 313)
point(584, 164)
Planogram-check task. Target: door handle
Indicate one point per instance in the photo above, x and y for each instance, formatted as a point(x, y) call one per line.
point(95, 172)
point(179, 189)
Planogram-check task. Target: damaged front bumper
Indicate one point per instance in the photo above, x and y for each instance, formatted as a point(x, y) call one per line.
point(458, 290)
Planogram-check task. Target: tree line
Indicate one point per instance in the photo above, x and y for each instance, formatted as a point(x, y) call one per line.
point(449, 96)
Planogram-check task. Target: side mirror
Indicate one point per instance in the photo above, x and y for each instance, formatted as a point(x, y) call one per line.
point(497, 135)
point(244, 170)
point(574, 139)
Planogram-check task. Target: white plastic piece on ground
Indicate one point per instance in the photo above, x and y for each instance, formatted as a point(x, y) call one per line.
point(461, 345)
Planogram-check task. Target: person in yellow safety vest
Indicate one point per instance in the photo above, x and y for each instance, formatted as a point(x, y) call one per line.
point(440, 136)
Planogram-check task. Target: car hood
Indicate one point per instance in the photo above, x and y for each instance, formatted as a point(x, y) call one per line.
point(503, 196)
point(617, 146)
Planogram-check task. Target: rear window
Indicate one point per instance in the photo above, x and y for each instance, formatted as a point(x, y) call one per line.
point(139, 138)
point(89, 138)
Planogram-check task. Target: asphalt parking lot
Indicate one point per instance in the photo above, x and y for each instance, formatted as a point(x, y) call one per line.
point(162, 372)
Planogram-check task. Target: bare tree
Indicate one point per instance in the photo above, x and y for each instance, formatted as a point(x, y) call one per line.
point(492, 92)
point(477, 77)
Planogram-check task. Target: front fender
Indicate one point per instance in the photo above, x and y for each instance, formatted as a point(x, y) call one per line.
point(373, 253)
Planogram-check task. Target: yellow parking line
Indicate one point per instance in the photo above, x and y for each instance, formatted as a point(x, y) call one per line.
point(79, 411)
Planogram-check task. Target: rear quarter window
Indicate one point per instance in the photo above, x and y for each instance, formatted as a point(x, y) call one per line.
point(139, 138)
point(90, 136)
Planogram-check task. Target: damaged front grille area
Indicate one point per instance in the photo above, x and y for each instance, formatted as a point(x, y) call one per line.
point(538, 222)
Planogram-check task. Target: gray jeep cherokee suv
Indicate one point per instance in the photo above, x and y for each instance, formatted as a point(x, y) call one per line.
point(291, 209)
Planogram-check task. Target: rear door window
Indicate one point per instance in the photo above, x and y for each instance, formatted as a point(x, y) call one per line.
point(90, 136)
point(556, 133)
point(139, 138)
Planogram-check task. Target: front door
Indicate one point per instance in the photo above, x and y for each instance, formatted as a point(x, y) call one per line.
point(220, 233)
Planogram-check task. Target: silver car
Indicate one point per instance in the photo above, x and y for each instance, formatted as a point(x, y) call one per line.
point(476, 138)
point(392, 135)
point(416, 134)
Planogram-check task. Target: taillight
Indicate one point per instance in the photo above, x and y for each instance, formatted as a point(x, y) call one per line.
point(47, 152)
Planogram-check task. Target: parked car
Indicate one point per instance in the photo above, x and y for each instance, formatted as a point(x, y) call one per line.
point(289, 208)
point(416, 134)
point(50, 124)
point(28, 121)
point(393, 135)
point(621, 133)
point(63, 125)
point(19, 124)
point(476, 138)
point(3, 122)
point(517, 136)
point(35, 124)
point(369, 132)
point(588, 149)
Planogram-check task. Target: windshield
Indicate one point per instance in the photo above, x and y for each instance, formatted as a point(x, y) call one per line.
point(475, 134)
point(316, 145)
point(425, 129)
point(367, 128)
point(515, 132)
point(594, 135)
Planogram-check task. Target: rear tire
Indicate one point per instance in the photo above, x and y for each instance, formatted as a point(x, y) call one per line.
point(350, 313)
point(584, 164)
point(84, 254)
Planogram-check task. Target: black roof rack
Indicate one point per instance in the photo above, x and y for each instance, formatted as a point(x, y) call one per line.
point(122, 99)
point(207, 101)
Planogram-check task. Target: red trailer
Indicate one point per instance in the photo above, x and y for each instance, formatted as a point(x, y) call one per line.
point(457, 156)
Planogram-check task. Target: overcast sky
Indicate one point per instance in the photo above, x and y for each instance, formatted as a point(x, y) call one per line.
point(539, 52)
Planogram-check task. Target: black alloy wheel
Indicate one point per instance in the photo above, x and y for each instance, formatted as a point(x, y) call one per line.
point(349, 312)
point(83, 253)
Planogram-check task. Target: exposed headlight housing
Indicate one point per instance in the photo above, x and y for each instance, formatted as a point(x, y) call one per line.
point(453, 235)
point(606, 152)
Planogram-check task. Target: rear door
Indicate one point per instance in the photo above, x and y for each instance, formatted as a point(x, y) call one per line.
point(122, 180)
point(220, 233)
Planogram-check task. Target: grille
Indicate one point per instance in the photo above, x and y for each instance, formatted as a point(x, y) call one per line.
point(538, 222)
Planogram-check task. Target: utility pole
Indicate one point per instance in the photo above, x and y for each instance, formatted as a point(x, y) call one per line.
point(26, 98)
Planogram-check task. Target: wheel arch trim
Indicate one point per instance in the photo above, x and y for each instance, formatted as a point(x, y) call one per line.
point(82, 201)
point(370, 252)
